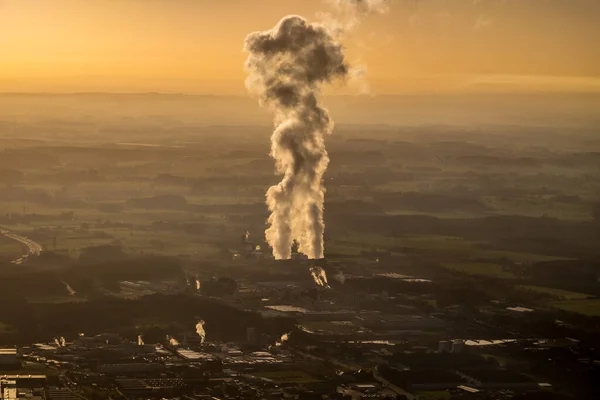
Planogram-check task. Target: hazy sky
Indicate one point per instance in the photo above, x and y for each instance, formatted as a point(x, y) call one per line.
point(195, 46)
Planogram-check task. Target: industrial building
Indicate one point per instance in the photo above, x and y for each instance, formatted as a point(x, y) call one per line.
point(8, 358)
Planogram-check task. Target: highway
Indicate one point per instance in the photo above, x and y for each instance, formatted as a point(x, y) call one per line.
point(33, 248)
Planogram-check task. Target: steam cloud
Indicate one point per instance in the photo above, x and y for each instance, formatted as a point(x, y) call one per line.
point(200, 330)
point(287, 66)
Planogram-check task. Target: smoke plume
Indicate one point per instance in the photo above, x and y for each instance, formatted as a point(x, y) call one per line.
point(172, 341)
point(286, 67)
point(319, 276)
point(200, 330)
point(284, 338)
point(69, 289)
point(340, 277)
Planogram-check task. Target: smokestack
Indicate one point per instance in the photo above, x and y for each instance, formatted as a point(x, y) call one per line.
point(200, 330)
point(140, 340)
point(286, 67)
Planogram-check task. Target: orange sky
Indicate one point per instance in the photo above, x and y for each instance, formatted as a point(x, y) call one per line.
point(195, 46)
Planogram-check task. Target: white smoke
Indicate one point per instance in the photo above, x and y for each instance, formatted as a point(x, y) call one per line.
point(319, 276)
point(69, 289)
point(284, 338)
point(286, 67)
point(340, 277)
point(172, 341)
point(140, 340)
point(200, 330)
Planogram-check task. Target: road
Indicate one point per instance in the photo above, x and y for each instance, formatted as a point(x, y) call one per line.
point(33, 248)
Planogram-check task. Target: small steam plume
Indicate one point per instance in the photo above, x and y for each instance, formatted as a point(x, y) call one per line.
point(340, 277)
point(284, 338)
point(286, 67)
point(197, 285)
point(69, 289)
point(57, 342)
point(319, 276)
point(62, 341)
point(200, 330)
point(140, 340)
point(81, 334)
point(172, 341)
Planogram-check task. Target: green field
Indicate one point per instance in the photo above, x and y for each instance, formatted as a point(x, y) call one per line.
point(434, 395)
point(297, 377)
point(558, 293)
point(479, 269)
point(589, 307)
point(9, 248)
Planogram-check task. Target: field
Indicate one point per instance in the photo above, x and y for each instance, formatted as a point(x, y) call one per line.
point(434, 395)
point(558, 293)
point(589, 307)
point(9, 249)
point(480, 269)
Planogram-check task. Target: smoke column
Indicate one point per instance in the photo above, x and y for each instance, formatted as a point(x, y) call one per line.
point(200, 330)
point(287, 66)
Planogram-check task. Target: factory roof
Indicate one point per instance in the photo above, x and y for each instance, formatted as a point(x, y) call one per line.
point(520, 309)
point(193, 355)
